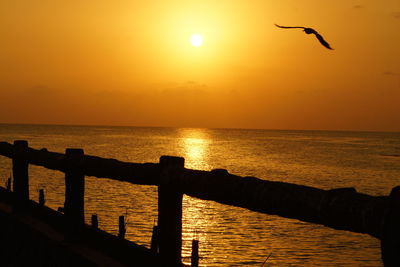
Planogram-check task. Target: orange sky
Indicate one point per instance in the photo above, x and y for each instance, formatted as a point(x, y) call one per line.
point(131, 63)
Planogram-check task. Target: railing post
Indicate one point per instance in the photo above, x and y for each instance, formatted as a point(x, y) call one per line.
point(8, 184)
point(121, 227)
point(95, 221)
point(170, 210)
point(195, 253)
point(41, 197)
point(155, 239)
point(74, 189)
point(390, 242)
point(20, 173)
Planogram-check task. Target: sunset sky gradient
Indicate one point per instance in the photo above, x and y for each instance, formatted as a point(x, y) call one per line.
point(132, 63)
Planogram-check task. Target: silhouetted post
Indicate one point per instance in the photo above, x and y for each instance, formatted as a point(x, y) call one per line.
point(390, 242)
point(8, 184)
point(121, 227)
point(195, 253)
point(95, 221)
point(41, 197)
point(170, 210)
point(74, 189)
point(155, 239)
point(20, 173)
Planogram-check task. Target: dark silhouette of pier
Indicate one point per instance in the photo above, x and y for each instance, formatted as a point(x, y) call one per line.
point(341, 208)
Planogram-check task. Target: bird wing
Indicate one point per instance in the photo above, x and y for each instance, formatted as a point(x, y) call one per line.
point(322, 41)
point(289, 27)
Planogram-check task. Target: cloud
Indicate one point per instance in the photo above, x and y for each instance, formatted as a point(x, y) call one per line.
point(189, 88)
point(358, 6)
point(393, 75)
point(39, 89)
point(390, 73)
point(396, 15)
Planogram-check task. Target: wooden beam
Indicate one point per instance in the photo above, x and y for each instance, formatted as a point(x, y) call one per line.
point(136, 173)
point(74, 190)
point(170, 210)
point(342, 208)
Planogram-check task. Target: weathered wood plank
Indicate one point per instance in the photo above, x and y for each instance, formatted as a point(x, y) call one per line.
point(343, 209)
point(136, 173)
point(74, 189)
point(170, 210)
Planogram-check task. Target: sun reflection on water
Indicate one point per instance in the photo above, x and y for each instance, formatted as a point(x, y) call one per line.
point(195, 148)
point(197, 217)
point(197, 224)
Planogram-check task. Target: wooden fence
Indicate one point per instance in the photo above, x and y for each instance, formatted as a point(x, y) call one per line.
point(341, 208)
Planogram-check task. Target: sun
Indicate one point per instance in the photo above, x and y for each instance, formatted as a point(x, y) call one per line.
point(197, 40)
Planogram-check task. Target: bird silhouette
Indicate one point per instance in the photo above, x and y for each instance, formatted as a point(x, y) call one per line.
point(308, 31)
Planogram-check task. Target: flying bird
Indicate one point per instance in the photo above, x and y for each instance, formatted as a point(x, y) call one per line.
point(309, 31)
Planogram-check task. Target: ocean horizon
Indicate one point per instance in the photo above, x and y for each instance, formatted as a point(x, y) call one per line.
point(369, 161)
point(195, 127)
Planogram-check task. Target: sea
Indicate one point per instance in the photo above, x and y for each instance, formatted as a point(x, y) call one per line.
point(228, 236)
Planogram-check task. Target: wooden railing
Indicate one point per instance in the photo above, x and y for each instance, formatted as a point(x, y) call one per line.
point(342, 208)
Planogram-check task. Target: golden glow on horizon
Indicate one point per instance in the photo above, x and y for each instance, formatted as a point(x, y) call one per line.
point(119, 58)
point(196, 40)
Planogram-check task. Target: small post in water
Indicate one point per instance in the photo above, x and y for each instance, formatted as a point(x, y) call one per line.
point(155, 239)
point(195, 253)
point(95, 221)
point(121, 227)
point(41, 197)
point(8, 184)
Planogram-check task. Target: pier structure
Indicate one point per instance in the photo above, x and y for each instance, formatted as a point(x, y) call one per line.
point(340, 208)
